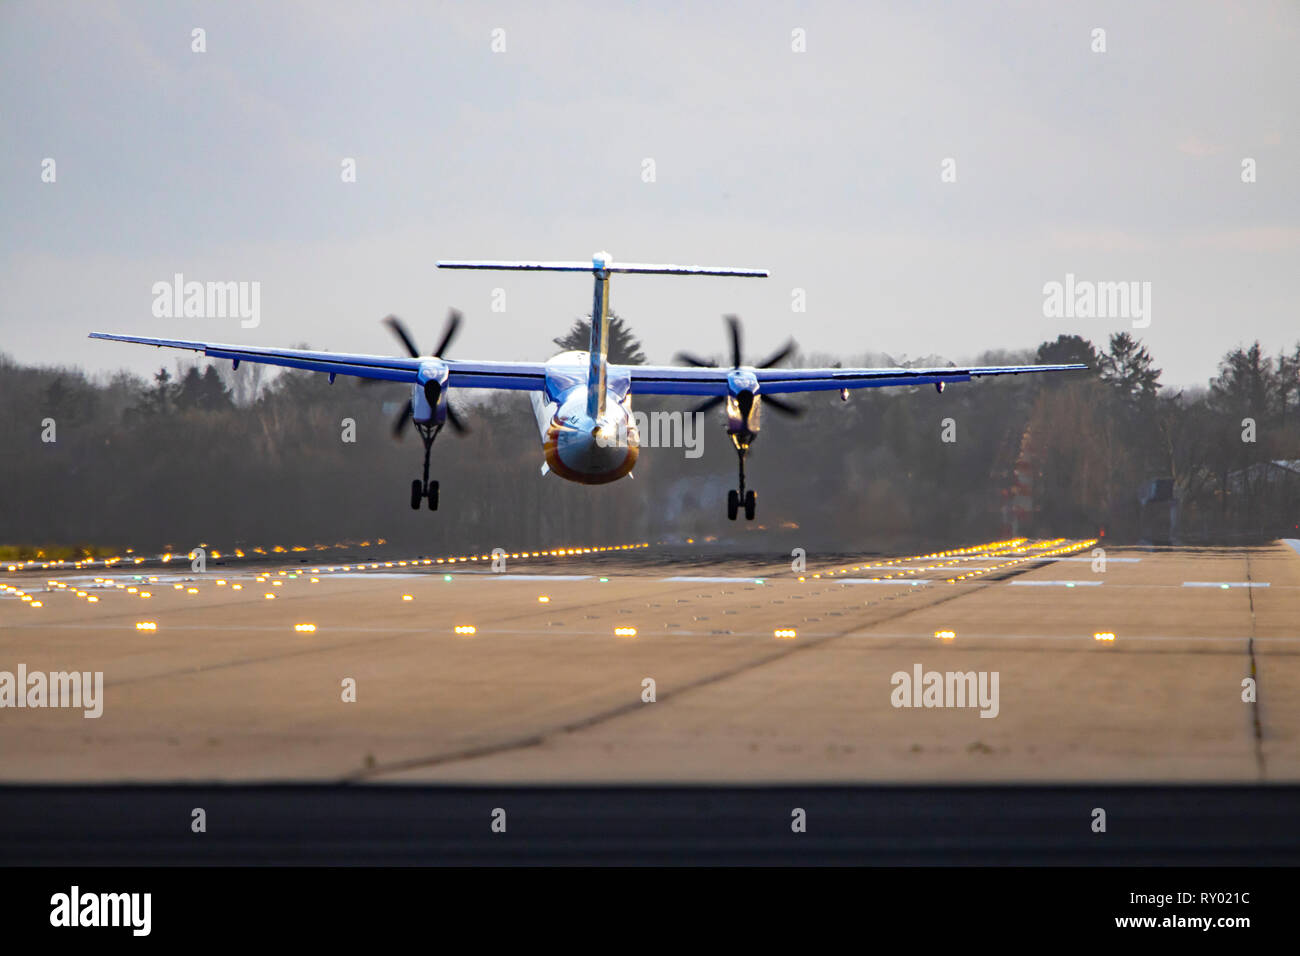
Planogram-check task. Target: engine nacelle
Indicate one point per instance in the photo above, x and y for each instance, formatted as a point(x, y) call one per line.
point(743, 404)
point(429, 393)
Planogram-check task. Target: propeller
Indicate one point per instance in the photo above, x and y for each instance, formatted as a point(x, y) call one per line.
point(776, 358)
point(398, 328)
point(432, 390)
point(403, 418)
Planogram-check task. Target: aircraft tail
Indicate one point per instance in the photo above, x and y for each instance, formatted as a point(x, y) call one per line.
point(601, 267)
point(599, 350)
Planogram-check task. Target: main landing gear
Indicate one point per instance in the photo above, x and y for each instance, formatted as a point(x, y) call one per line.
point(422, 490)
point(742, 498)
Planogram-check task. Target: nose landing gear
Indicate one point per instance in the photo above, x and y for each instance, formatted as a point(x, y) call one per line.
point(425, 490)
point(736, 499)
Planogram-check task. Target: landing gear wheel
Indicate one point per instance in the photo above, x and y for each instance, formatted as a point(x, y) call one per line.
point(733, 504)
point(750, 501)
point(426, 489)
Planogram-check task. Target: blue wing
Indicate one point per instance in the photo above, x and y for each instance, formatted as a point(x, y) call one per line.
point(511, 375)
point(644, 379)
point(674, 380)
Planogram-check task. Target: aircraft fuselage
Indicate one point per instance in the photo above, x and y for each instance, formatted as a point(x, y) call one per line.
point(579, 447)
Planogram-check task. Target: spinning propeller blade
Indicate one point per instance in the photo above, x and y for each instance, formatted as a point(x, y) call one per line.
point(398, 328)
point(402, 420)
point(776, 358)
point(432, 390)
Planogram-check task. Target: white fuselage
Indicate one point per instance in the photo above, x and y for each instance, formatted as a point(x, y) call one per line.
point(578, 447)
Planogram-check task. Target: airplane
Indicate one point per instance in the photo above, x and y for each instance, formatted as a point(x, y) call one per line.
point(582, 402)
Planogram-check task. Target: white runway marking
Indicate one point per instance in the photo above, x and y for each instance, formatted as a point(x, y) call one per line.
point(1225, 584)
point(402, 575)
point(702, 580)
point(543, 577)
point(1057, 584)
point(1109, 560)
point(878, 580)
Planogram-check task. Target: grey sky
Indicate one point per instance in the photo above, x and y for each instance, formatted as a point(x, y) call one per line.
point(822, 166)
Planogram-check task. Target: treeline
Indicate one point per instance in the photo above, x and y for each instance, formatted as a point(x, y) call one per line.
point(251, 458)
point(1115, 450)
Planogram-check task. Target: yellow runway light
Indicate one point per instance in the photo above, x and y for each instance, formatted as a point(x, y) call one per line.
point(785, 632)
point(1104, 636)
point(305, 628)
point(543, 599)
point(945, 635)
point(625, 632)
point(466, 629)
point(146, 626)
point(407, 597)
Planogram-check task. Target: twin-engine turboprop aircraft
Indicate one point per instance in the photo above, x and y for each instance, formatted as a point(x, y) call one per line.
point(582, 402)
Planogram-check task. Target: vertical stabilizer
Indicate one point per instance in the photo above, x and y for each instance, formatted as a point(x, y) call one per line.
point(599, 348)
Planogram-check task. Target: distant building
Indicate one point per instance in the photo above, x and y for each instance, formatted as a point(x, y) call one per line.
point(1280, 475)
point(1158, 515)
point(1264, 498)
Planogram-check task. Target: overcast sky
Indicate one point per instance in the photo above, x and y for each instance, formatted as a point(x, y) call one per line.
point(823, 166)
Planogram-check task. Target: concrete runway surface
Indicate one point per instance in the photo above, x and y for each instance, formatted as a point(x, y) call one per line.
point(227, 689)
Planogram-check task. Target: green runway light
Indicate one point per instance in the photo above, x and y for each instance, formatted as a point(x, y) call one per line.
point(758, 580)
point(604, 580)
point(446, 577)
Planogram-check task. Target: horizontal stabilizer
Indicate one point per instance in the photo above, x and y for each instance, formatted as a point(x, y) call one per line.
point(598, 265)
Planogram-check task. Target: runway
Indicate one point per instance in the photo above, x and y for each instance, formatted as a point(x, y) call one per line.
point(231, 686)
